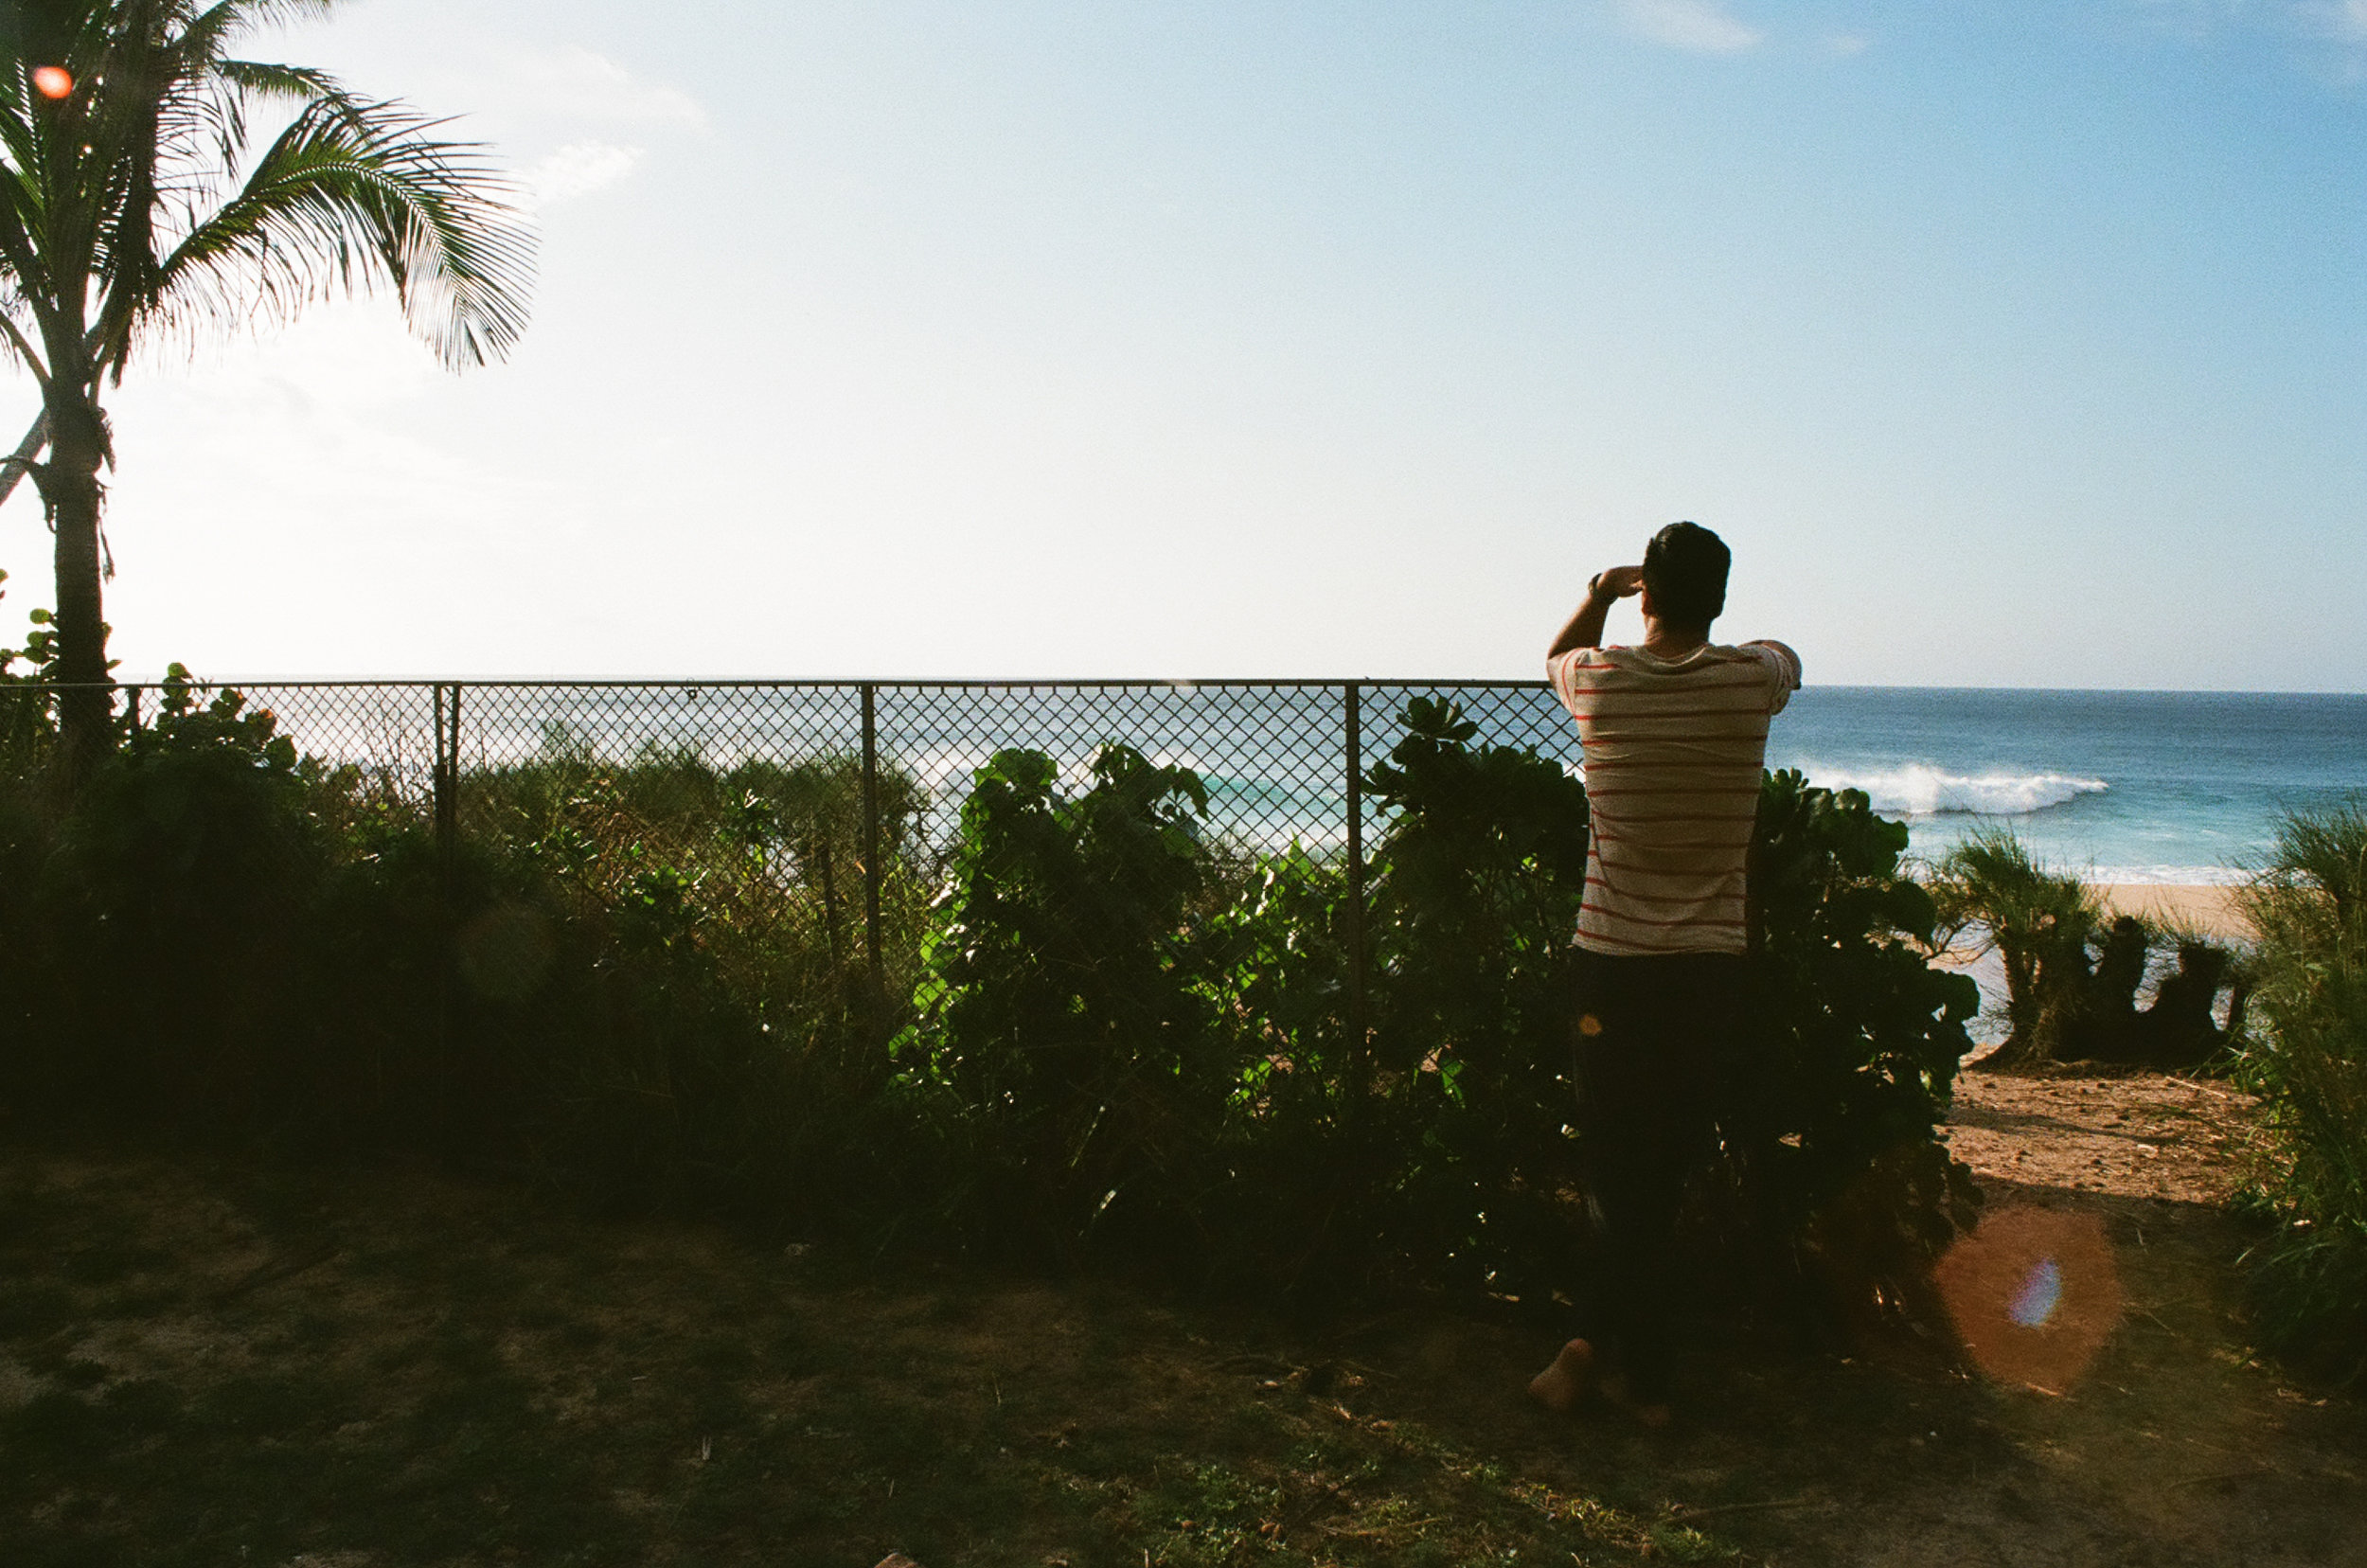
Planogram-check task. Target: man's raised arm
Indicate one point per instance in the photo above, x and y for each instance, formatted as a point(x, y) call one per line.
point(1585, 628)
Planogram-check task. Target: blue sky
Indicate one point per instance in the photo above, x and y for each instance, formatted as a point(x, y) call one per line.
point(2008, 344)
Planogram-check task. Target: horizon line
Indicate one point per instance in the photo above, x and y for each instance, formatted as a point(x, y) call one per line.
point(1144, 680)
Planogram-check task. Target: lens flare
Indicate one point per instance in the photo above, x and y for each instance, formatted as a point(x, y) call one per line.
point(53, 82)
point(2034, 1294)
point(2040, 1290)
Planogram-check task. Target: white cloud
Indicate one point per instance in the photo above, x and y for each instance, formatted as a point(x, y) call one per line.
point(1848, 43)
point(576, 82)
point(1698, 25)
point(2334, 32)
point(566, 86)
point(2346, 21)
point(580, 168)
point(2340, 22)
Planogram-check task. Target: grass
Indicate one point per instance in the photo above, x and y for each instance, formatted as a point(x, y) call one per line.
point(206, 1363)
point(239, 1376)
point(2307, 1060)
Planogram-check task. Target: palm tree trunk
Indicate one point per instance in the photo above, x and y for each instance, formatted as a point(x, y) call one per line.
point(71, 494)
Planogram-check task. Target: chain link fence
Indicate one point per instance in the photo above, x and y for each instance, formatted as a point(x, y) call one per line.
point(836, 807)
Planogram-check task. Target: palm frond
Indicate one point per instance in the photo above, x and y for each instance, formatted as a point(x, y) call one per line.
point(353, 195)
point(226, 20)
point(17, 135)
point(293, 83)
point(254, 15)
point(20, 207)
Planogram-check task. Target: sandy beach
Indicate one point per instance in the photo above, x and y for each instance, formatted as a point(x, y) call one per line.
point(2213, 910)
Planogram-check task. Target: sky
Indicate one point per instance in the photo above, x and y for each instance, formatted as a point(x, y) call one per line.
point(2010, 343)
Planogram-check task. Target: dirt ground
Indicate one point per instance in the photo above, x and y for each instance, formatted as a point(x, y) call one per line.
point(208, 1363)
point(2172, 1140)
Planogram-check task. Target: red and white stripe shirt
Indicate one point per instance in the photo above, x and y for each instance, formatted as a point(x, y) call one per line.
point(1673, 749)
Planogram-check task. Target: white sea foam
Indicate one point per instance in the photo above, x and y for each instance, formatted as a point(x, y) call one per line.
point(1919, 789)
point(2168, 875)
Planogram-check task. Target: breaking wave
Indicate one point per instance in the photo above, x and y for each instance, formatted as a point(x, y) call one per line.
point(1920, 790)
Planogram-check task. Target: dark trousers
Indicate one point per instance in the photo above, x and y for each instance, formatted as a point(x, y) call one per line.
point(1656, 1043)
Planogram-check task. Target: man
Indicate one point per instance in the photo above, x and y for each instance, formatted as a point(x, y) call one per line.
point(1674, 735)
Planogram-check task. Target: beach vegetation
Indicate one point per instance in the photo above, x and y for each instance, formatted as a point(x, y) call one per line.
point(1062, 1012)
point(1147, 1041)
point(622, 977)
point(27, 728)
point(1466, 1070)
point(137, 208)
point(1096, 1030)
point(2305, 1053)
point(2037, 920)
point(1843, 1173)
point(2075, 972)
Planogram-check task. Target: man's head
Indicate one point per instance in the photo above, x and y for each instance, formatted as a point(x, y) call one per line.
point(1684, 576)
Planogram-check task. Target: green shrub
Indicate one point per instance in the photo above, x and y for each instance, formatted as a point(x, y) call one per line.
point(664, 962)
point(1838, 1162)
point(1063, 1002)
point(2305, 1053)
point(1123, 1025)
point(609, 977)
point(759, 847)
point(1476, 890)
point(170, 908)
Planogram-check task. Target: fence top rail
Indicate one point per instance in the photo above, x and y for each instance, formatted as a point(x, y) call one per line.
point(737, 684)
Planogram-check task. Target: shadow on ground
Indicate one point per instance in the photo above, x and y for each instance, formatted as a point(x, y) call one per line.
point(206, 1365)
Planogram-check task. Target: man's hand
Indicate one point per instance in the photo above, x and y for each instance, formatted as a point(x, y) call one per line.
point(1616, 582)
point(1585, 628)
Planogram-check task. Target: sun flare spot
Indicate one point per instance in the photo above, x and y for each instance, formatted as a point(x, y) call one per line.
point(53, 82)
point(2041, 1288)
point(2034, 1294)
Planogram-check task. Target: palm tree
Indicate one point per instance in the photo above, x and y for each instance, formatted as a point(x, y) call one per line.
point(134, 204)
point(2038, 920)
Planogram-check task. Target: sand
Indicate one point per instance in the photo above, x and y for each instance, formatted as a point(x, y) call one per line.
point(2214, 910)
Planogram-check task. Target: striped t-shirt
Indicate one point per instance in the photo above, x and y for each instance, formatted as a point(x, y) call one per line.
point(1674, 749)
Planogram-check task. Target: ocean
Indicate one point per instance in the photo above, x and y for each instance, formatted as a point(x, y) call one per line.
point(2118, 786)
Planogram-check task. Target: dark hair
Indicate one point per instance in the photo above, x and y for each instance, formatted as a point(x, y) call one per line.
point(1685, 571)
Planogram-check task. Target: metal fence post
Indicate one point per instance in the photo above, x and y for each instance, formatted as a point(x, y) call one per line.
point(446, 778)
point(1358, 1026)
point(452, 761)
point(438, 779)
point(871, 838)
point(447, 772)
